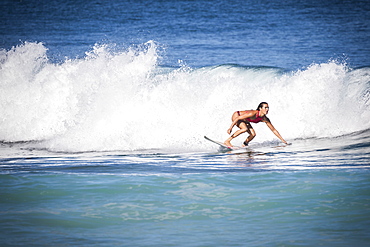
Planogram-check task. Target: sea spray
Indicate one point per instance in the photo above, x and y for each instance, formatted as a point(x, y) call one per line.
point(46, 100)
point(124, 100)
point(323, 102)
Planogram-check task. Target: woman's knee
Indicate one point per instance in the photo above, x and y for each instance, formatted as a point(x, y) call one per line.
point(243, 130)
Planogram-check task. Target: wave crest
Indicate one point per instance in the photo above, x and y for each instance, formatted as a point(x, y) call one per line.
point(124, 100)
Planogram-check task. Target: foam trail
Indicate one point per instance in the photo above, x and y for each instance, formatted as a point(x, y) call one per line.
point(125, 101)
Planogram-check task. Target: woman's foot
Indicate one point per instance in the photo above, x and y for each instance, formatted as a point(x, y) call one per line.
point(245, 144)
point(227, 143)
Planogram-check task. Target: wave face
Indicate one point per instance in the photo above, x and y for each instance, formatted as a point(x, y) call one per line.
point(125, 101)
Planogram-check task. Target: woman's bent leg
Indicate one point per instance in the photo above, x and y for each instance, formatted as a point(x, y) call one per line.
point(242, 129)
point(252, 135)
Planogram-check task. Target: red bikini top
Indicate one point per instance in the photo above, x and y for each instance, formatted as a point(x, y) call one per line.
point(257, 119)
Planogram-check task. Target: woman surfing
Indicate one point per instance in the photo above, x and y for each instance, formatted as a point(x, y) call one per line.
point(243, 120)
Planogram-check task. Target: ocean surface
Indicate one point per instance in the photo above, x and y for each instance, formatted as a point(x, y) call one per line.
point(104, 106)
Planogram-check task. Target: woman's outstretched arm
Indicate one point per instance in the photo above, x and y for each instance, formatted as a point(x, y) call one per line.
point(272, 128)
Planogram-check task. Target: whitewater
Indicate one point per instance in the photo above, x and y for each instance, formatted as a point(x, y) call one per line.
point(125, 100)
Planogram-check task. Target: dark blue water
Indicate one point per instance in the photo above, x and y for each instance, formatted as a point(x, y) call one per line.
point(288, 34)
point(104, 105)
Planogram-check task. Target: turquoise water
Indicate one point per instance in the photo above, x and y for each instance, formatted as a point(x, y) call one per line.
point(103, 109)
point(268, 196)
point(240, 208)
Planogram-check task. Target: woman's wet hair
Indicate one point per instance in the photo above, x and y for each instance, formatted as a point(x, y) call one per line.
point(261, 105)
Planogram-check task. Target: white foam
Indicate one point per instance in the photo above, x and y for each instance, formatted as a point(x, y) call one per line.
point(125, 101)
